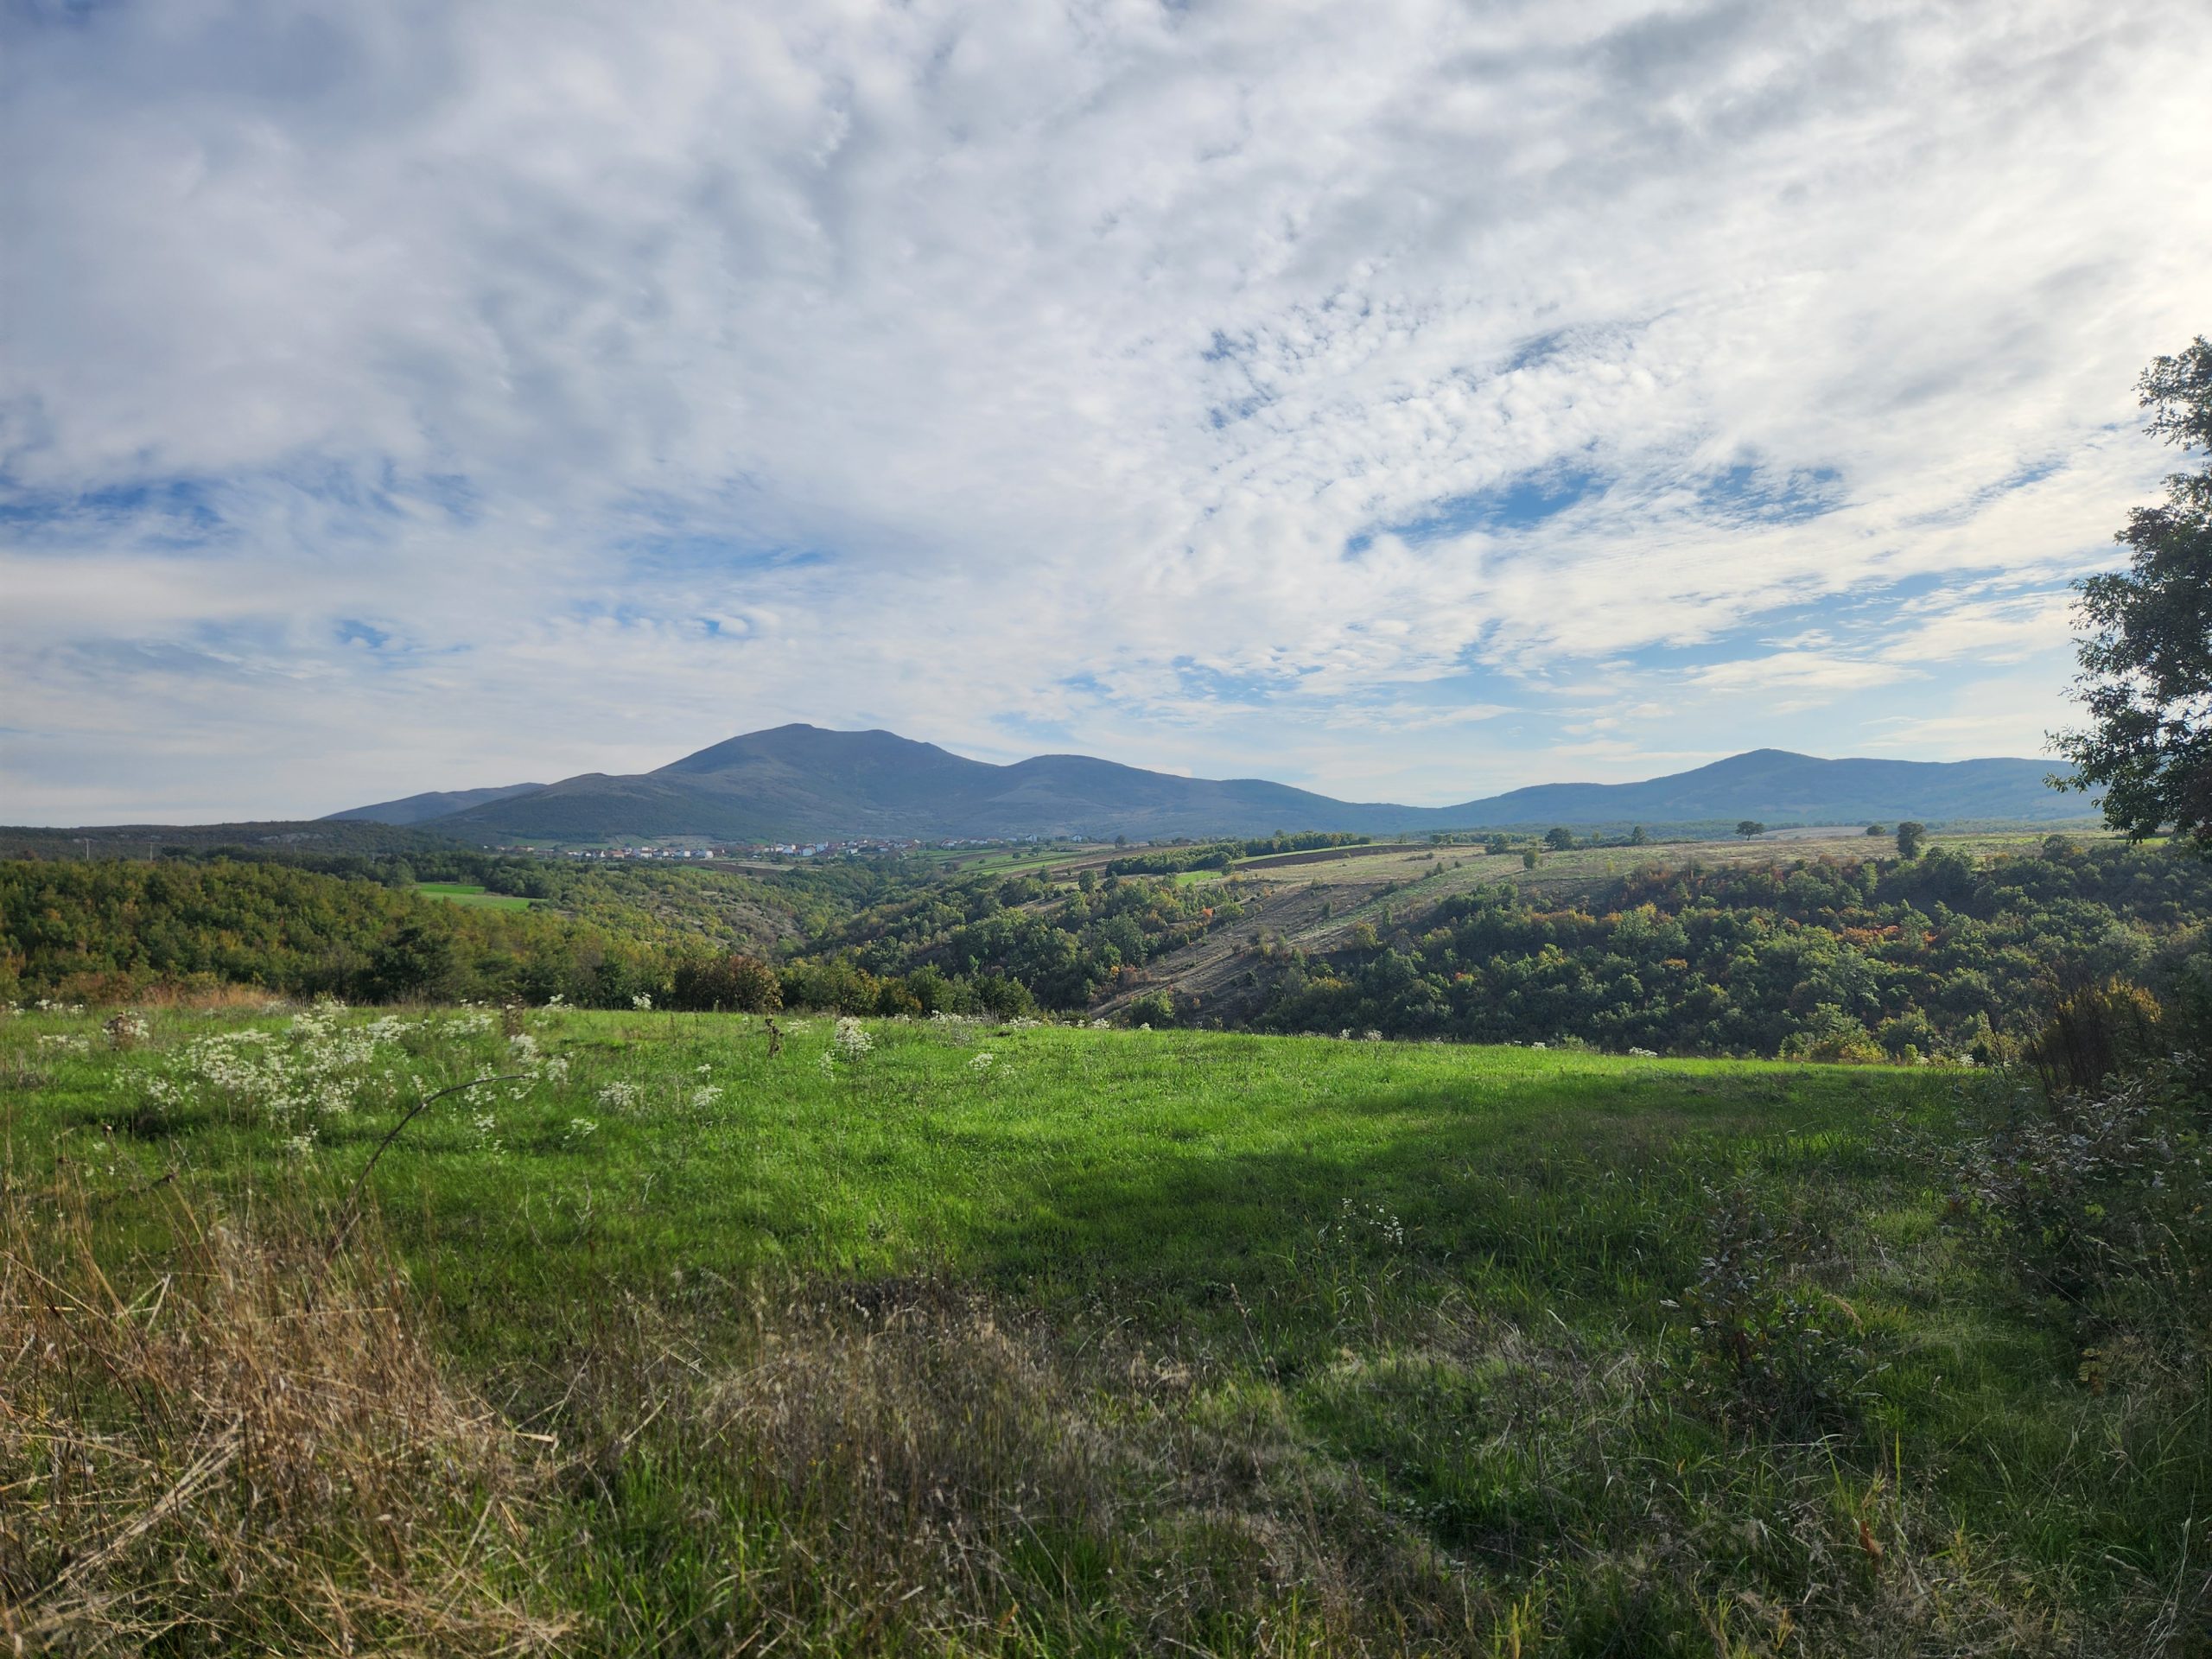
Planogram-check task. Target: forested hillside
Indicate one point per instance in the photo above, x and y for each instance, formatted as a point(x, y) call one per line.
point(1949, 955)
point(1941, 955)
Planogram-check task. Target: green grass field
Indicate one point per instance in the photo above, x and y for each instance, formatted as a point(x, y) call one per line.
point(461, 893)
point(952, 1338)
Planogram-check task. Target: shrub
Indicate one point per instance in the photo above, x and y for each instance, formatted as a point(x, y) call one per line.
point(737, 984)
point(2103, 1203)
point(1153, 1008)
point(1773, 1349)
point(2095, 1031)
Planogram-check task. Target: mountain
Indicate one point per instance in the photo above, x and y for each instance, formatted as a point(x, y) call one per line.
point(437, 803)
point(1778, 787)
point(800, 783)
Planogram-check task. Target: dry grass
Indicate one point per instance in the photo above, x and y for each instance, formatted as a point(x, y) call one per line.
point(908, 1467)
point(250, 1450)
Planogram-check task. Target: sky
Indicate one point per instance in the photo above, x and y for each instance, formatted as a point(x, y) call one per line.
point(1408, 400)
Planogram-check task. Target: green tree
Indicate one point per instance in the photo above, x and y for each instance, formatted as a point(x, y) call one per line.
point(1637, 837)
point(1749, 827)
point(1877, 829)
point(1560, 839)
point(1529, 858)
point(2146, 658)
point(417, 961)
point(1912, 836)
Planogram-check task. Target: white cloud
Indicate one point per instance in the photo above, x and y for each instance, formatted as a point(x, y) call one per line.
point(978, 369)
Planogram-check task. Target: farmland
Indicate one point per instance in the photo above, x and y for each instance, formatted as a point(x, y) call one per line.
point(970, 1337)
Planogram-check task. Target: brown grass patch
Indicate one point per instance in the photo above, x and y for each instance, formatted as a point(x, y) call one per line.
point(248, 1450)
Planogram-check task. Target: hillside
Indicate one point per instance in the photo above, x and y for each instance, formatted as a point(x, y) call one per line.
point(979, 1339)
point(434, 803)
point(1777, 786)
point(801, 782)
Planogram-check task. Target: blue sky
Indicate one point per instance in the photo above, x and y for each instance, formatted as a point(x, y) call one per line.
point(1409, 401)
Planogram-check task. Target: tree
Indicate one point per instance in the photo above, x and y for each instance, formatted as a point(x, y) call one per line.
point(1560, 839)
point(1637, 837)
point(1497, 844)
point(2146, 658)
point(735, 984)
point(1912, 836)
point(1529, 858)
point(417, 961)
point(1877, 829)
point(1749, 827)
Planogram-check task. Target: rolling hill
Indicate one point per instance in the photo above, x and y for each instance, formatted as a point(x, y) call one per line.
point(802, 783)
point(1777, 786)
point(435, 803)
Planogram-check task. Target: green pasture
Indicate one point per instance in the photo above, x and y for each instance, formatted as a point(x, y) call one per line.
point(1462, 1287)
point(462, 892)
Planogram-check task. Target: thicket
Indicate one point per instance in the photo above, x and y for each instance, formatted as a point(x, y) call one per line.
point(1828, 960)
point(113, 930)
point(1066, 948)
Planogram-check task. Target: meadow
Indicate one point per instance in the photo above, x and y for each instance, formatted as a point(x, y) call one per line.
point(698, 1334)
point(470, 893)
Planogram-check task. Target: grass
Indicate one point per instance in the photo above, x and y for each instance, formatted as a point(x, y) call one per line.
point(461, 893)
point(1110, 1341)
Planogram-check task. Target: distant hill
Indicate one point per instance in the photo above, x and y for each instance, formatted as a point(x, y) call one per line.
point(802, 783)
point(437, 803)
point(326, 837)
point(1777, 786)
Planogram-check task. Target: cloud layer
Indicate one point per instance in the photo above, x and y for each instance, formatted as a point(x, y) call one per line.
point(1414, 399)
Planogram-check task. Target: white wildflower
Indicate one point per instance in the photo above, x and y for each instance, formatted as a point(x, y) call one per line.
point(125, 1030)
point(579, 1130)
point(619, 1096)
point(852, 1040)
point(642, 1003)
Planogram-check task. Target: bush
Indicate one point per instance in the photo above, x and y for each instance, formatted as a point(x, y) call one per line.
point(1153, 1008)
point(2103, 1203)
point(1774, 1349)
point(733, 984)
point(2094, 1031)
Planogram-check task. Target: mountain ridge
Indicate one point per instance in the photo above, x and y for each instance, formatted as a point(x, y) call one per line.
point(431, 804)
point(798, 782)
